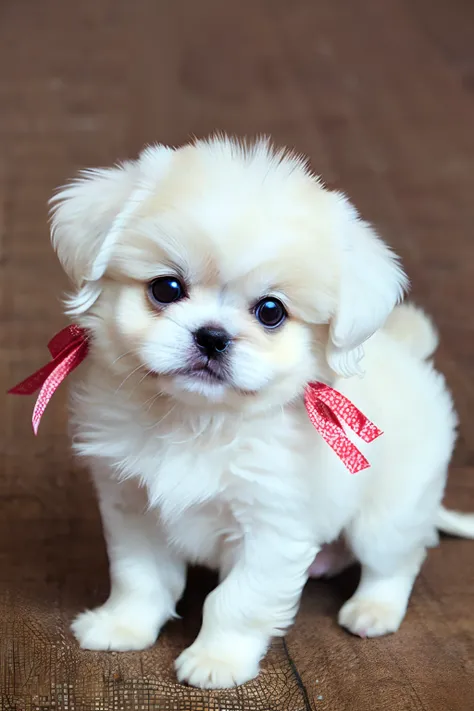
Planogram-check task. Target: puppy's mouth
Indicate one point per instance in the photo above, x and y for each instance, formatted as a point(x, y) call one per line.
point(204, 372)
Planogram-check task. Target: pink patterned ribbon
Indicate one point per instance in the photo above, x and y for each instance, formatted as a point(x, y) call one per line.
point(68, 348)
point(325, 406)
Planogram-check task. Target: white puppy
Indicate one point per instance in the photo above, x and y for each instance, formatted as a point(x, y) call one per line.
point(216, 281)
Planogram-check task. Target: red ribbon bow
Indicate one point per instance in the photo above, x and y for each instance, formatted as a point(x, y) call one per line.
point(325, 406)
point(68, 348)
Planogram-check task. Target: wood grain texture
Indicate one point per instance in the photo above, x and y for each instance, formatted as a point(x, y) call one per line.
point(379, 94)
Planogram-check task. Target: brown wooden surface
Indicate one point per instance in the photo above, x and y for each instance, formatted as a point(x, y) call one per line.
point(380, 95)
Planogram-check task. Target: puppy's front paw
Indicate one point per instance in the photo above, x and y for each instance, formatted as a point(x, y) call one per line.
point(231, 662)
point(370, 618)
point(114, 629)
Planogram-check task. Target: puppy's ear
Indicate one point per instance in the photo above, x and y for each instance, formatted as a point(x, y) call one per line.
point(83, 214)
point(89, 213)
point(372, 282)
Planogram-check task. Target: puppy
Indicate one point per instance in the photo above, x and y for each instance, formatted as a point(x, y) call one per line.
point(216, 281)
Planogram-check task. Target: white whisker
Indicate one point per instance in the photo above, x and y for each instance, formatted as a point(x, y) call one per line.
point(162, 419)
point(128, 376)
point(148, 372)
point(132, 350)
point(152, 400)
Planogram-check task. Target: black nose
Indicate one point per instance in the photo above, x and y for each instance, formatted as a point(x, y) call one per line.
point(212, 341)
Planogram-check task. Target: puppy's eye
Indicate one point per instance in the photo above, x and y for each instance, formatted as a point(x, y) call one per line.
point(166, 290)
point(270, 312)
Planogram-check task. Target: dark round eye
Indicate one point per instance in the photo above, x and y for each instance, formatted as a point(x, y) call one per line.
point(270, 312)
point(166, 290)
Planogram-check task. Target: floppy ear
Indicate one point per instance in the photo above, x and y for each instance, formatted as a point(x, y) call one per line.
point(83, 213)
point(372, 282)
point(89, 213)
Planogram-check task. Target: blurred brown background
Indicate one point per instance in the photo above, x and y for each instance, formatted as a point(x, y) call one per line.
point(379, 93)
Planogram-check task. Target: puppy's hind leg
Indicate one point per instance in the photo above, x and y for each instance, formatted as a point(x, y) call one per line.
point(379, 604)
point(331, 560)
point(395, 525)
point(390, 543)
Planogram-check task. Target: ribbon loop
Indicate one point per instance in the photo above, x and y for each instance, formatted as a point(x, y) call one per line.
point(326, 407)
point(68, 348)
point(65, 339)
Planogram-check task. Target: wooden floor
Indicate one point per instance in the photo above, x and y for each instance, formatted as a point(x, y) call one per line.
point(380, 95)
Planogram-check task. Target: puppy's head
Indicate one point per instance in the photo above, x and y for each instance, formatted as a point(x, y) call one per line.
point(222, 273)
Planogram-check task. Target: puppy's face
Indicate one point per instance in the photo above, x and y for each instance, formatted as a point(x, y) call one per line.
point(222, 280)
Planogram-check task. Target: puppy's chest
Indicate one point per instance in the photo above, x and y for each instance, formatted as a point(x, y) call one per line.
point(204, 502)
point(184, 478)
point(225, 479)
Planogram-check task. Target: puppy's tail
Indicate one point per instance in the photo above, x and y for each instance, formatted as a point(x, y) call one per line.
point(409, 325)
point(455, 523)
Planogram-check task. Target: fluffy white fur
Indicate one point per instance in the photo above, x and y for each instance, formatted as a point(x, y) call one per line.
point(232, 474)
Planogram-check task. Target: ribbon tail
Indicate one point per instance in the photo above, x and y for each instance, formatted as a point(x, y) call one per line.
point(326, 423)
point(55, 378)
point(32, 383)
point(353, 459)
